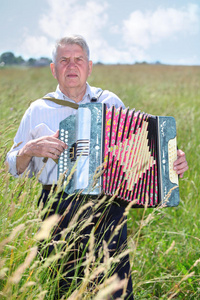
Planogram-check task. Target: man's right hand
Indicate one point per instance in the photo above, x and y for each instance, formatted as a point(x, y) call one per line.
point(46, 146)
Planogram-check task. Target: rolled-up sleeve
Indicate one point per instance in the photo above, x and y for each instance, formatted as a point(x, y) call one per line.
point(22, 137)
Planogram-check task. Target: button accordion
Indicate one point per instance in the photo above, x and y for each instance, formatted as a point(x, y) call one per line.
point(119, 152)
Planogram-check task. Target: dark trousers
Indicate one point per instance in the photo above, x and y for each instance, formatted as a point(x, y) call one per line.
point(104, 221)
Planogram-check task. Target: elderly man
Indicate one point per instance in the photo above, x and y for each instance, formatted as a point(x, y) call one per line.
point(37, 137)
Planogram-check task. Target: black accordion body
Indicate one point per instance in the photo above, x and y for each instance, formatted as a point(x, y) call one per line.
point(123, 153)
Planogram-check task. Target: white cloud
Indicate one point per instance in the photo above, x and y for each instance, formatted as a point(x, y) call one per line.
point(192, 60)
point(143, 29)
point(68, 17)
point(36, 47)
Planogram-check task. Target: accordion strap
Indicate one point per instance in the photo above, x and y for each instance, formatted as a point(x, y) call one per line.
point(71, 104)
point(62, 102)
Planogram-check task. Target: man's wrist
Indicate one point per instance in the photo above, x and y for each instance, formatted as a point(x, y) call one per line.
point(25, 152)
point(22, 160)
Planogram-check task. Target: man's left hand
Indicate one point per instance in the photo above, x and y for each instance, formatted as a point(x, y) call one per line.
point(180, 165)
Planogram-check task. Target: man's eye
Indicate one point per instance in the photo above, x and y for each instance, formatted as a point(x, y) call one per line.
point(79, 59)
point(64, 60)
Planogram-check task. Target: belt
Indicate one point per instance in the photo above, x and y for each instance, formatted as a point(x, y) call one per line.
point(48, 187)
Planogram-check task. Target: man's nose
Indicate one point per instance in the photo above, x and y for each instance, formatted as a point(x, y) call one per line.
point(72, 63)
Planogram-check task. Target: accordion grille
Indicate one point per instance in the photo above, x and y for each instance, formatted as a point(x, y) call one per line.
point(130, 170)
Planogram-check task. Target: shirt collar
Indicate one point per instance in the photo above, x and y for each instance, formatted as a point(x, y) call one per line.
point(86, 98)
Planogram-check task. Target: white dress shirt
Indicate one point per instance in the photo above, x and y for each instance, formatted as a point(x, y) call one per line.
point(42, 118)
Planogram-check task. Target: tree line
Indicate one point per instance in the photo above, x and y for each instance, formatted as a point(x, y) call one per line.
point(9, 59)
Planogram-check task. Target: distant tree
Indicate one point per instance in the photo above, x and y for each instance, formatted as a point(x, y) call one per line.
point(8, 58)
point(31, 61)
point(19, 60)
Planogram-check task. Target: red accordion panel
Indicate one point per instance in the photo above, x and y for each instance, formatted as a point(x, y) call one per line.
point(130, 170)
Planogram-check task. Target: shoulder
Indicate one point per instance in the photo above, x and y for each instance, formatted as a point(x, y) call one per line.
point(36, 103)
point(110, 99)
point(43, 103)
point(106, 96)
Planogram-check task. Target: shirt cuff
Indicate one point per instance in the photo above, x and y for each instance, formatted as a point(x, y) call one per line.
point(11, 160)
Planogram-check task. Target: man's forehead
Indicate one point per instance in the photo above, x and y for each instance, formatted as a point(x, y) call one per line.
point(71, 50)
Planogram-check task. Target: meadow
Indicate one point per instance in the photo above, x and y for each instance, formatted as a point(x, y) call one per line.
point(164, 243)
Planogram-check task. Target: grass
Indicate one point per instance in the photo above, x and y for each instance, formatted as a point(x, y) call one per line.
point(163, 243)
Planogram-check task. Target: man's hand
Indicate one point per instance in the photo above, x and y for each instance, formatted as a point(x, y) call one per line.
point(46, 146)
point(180, 165)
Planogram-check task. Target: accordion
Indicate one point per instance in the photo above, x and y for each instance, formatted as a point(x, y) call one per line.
point(119, 152)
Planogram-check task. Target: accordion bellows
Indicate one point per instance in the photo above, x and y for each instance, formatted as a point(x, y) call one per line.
point(120, 152)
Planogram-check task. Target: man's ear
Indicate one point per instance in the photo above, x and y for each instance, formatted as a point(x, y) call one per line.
point(52, 66)
point(90, 68)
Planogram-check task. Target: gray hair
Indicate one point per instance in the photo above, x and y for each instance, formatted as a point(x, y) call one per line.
point(71, 40)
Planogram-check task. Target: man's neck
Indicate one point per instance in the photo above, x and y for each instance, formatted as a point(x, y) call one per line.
point(74, 94)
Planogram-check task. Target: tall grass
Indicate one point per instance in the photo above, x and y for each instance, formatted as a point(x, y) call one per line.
point(163, 243)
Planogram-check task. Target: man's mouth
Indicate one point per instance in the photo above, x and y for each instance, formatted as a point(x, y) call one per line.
point(72, 75)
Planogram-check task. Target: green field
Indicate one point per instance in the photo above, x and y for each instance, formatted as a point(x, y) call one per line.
point(164, 243)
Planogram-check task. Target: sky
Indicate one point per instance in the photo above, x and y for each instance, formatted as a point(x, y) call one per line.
point(117, 32)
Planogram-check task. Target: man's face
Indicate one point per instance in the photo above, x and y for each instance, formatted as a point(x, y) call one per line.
point(71, 68)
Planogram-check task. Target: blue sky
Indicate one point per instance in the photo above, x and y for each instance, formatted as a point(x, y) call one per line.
point(116, 31)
